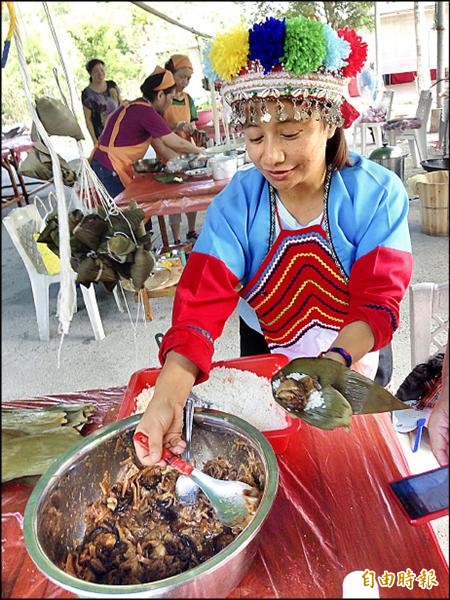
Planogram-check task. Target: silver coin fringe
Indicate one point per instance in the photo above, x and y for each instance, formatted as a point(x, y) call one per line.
point(249, 112)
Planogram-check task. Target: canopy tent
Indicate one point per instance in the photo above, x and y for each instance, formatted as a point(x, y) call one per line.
point(198, 34)
point(155, 12)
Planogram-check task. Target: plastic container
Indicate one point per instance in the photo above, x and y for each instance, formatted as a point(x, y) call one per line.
point(223, 167)
point(263, 365)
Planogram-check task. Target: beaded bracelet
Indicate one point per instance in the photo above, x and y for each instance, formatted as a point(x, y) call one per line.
point(345, 355)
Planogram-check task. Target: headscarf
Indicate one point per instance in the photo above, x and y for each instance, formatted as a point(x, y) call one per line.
point(180, 61)
point(166, 82)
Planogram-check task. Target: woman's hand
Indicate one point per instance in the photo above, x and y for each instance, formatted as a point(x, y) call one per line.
point(162, 422)
point(439, 420)
point(200, 137)
point(438, 430)
point(178, 144)
point(185, 127)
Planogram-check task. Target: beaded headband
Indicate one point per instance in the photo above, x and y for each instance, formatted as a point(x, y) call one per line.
point(297, 59)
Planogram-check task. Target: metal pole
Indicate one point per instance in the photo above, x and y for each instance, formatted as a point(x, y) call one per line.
point(378, 65)
point(440, 28)
point(161, 15)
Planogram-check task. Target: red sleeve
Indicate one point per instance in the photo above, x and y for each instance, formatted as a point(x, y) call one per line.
point(205, 298)
point(377, 284)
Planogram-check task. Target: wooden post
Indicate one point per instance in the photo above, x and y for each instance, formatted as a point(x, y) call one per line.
point(142, 296)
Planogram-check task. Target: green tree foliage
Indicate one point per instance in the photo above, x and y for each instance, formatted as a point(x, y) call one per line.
point(115, 32)
point(337, 14)
point(130, 40)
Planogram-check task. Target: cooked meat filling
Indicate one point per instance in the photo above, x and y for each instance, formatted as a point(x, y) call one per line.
point(138, 532)
point(294, 393)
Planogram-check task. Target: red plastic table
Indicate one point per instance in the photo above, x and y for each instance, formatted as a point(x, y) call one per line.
point(162, 199)
point(16, 146)
point(12, 150)
point(333, 514)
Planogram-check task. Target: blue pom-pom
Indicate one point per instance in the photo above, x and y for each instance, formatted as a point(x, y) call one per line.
point(208, 71)
point(338, 50)
point(266, 41)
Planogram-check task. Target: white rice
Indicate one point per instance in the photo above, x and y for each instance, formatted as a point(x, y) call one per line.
point(315, 400)
point(241, 393)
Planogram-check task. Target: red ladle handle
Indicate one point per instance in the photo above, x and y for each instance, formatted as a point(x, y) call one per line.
point(172, 459)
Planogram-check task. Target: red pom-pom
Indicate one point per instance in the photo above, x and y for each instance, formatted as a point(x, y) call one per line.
point(349, 113)
point(358, 52)
point(243, 71)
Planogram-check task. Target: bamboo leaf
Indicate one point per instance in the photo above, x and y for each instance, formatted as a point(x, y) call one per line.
point(27, 455)
point(33, 437)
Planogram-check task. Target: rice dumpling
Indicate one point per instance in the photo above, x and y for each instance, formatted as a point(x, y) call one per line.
point(326, 394)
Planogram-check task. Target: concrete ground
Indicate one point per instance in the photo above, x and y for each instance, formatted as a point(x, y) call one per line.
point(30, 367)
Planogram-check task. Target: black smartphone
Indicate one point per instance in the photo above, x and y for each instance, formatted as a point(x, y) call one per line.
point(424, 496)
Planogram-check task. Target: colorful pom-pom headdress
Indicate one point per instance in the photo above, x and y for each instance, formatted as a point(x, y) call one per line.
point(298, 59)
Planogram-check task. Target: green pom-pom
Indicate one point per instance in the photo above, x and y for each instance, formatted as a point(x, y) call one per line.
point(305, 45)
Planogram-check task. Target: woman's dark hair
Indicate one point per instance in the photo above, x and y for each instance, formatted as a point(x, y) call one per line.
point(91, 64)
point(336, 153)
point(149, 85)
point(170, 66)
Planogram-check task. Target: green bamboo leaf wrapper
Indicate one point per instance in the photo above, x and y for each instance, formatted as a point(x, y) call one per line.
point(27, 455)
point(32, 421)
point(33, 437)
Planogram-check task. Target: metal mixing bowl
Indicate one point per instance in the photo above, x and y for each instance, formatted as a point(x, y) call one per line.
point(148, 165)
point(54, 516)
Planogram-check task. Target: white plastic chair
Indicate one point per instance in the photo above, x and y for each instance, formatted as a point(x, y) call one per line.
point(417, 138)
point(377, 126)
point(21, 223)
point(428, 320)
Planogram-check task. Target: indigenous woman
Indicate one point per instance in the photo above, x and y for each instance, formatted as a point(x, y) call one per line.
point(313, 240)
point(181, 115)
point(132, 128)
point(100, 98)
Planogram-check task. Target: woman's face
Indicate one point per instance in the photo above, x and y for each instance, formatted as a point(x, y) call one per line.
point(182, 78)
point(289, 153)
point(98, 73)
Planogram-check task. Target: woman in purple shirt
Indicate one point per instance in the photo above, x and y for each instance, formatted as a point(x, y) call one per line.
point(100, 98)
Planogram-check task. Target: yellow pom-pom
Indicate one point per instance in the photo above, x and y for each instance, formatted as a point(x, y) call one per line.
point(229, 52)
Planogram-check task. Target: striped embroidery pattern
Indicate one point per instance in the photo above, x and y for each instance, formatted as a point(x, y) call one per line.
point(301, 286)
point(325, 321)
point(280, 254)
point(309, 282)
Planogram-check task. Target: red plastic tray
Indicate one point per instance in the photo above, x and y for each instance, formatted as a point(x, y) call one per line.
point(263, 365)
